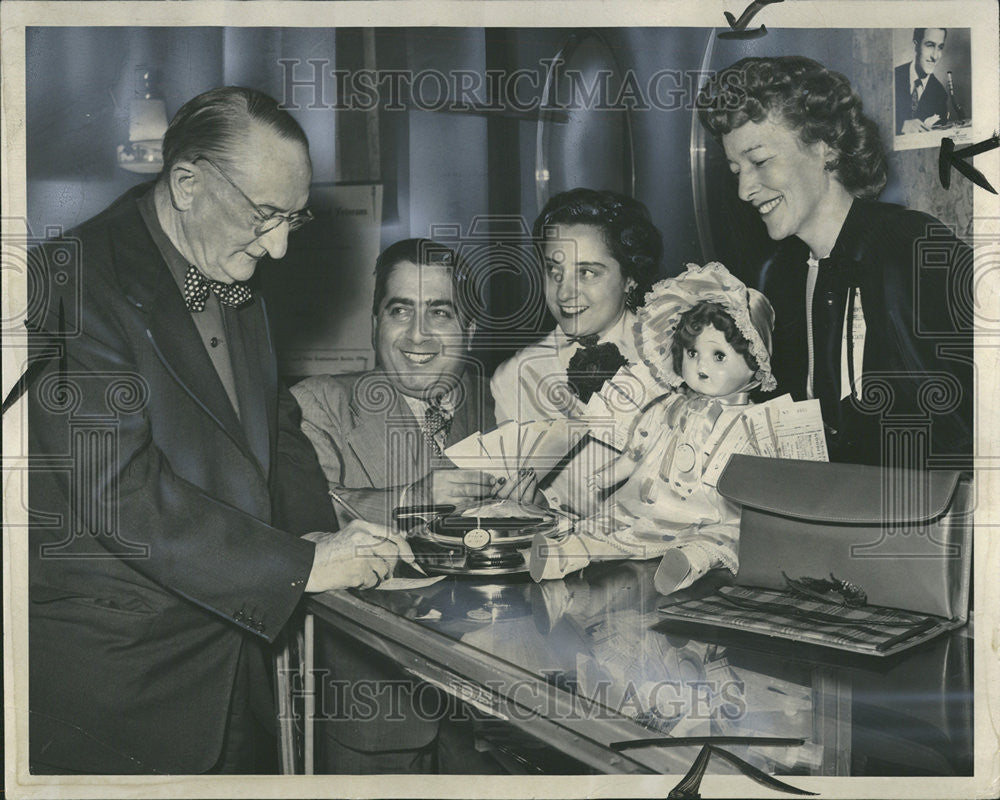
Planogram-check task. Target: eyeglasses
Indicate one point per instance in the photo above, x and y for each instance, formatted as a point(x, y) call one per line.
point(267, 222)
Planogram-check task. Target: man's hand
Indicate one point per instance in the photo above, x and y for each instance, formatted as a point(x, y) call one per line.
point(451, 486)
point(360, 555)
point(918, 125)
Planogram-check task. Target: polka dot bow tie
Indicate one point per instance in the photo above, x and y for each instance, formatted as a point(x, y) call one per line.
point(197, 287)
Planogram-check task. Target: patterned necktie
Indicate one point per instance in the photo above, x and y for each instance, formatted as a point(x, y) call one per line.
point(197, 287)
point(436, 420)
point(915, 97)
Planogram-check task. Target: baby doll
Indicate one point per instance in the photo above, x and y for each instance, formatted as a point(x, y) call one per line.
point(707, 337)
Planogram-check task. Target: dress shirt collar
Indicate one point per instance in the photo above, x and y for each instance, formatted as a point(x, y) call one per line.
point(177, 264)
point(419, 407)
point(621, 334)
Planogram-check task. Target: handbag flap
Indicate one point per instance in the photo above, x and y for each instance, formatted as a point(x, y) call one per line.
point(844, 493)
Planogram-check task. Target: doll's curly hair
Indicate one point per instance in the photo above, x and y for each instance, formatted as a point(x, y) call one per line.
point(695, 320)
point(624, 222)
point(818, 103)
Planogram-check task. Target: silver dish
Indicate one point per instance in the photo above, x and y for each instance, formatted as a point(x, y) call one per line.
point(464, 544)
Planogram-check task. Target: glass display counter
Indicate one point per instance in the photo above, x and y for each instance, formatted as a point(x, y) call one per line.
point(574, 672)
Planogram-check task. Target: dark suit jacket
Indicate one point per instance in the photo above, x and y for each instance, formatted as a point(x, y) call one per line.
point(915, 283)
point(933, 100)
point(163, 534)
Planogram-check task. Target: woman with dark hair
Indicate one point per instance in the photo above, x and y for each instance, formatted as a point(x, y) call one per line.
point(600, 254)
point(869, 297)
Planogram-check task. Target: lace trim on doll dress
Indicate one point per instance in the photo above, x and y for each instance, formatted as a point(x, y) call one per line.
point(670, 298)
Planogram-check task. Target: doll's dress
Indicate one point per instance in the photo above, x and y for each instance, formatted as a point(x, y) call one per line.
point(678, 448)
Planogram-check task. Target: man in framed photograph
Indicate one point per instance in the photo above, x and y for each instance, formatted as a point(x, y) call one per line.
point(921, 100)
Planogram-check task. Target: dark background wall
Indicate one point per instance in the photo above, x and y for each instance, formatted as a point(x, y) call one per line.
point(463, 169)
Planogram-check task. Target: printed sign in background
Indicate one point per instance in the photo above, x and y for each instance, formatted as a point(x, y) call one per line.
point(319, 294)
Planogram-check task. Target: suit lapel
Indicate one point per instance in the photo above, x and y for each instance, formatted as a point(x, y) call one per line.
point(467, 418)
point(171, 332)
point(254, 373)
point(387, 443)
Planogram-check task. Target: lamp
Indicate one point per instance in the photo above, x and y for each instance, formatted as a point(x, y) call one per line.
point(147, 122)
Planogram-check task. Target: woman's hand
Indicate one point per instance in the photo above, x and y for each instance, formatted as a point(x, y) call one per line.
point(522, 488)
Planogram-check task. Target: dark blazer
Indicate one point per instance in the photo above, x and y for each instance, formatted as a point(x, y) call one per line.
point(164, 533)
point(933, 100)
point(915, 283)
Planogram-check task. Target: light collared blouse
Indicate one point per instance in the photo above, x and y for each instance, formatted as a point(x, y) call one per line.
point(530, 384)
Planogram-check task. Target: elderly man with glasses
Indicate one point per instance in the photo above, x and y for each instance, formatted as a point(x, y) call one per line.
point(178, 513)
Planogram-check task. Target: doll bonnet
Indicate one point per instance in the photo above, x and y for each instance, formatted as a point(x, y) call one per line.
point(671, 297)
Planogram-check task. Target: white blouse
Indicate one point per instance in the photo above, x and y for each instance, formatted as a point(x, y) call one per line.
point(531, 384)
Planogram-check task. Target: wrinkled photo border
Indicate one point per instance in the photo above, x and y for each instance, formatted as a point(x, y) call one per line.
point(978, 15)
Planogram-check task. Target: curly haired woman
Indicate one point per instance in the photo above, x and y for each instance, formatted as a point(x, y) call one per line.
point(872, 300)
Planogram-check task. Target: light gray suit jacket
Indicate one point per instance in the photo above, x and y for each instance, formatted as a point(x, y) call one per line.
point(370, 447)
point(368, 441)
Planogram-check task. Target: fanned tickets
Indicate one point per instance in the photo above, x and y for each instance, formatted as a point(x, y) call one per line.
point(800, 432)
point(784, 428)
point(763, 421)
point(780, 428)
point(504, 451)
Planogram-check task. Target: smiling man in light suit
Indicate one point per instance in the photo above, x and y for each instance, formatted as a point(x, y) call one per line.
point(193, 515)
point(379, 436)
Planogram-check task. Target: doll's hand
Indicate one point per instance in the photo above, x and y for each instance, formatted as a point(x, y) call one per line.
point(673, 573)
point(682, 566)
point(552, 559)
